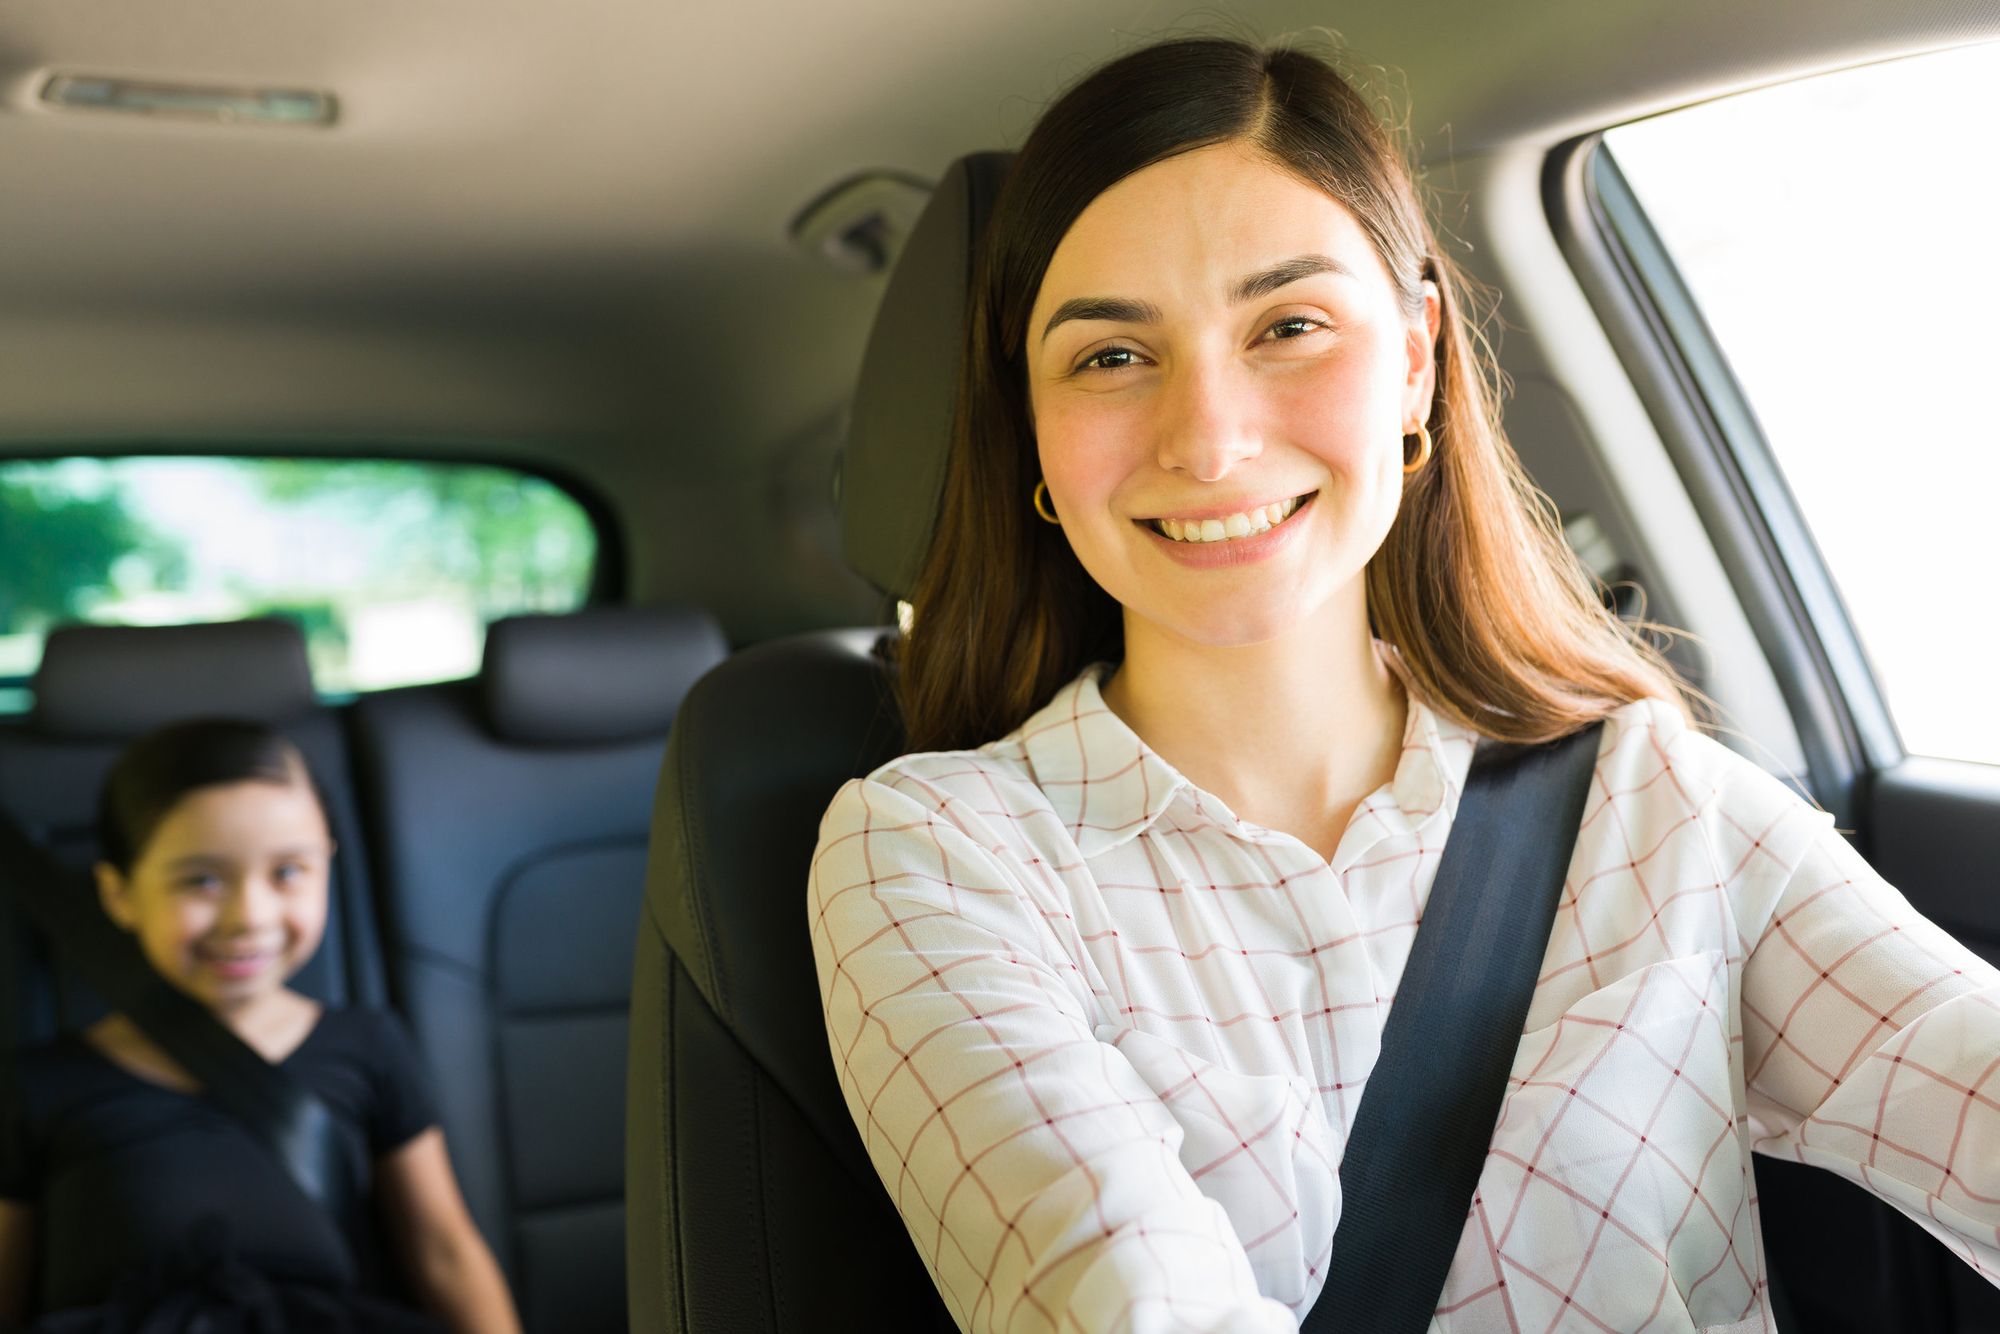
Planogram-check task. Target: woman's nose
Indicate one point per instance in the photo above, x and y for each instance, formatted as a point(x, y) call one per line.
point(1208, 422)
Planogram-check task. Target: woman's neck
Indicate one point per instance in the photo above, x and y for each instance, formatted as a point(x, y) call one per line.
point(1292, 733)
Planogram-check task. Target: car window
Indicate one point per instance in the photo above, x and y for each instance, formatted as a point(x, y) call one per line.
point(1832, 231)
point(392, 568)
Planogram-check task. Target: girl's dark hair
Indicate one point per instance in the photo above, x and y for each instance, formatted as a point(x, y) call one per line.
point(162, 767)
point(1498, 623)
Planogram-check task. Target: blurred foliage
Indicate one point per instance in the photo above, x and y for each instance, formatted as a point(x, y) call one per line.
point(58, 549)
point(122, 539)
point(514, 542)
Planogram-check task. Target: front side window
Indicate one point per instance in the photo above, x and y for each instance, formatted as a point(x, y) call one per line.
point(1835, 234)
point(392, 568)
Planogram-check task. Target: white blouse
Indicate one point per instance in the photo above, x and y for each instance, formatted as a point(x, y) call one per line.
point(1104, 1040)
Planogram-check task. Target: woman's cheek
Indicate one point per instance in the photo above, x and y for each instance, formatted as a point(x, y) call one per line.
point(1086, 451)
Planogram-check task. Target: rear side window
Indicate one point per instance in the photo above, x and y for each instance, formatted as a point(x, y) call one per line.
point(1835, 234)
point(392, 568)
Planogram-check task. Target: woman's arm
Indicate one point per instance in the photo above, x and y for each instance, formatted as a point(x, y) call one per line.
point(1038, 1173)
point(1872, 1048)
point(448, 1261)
point(17, 1260)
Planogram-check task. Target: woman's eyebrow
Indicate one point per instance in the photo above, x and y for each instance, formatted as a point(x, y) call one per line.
point(1123, 310)
point(1267, 281)
point(1126, 310)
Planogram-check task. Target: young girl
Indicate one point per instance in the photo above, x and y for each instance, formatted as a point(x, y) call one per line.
point(129, 1201)
point(1234, 568)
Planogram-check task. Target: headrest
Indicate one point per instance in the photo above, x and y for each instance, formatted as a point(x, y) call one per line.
point(607, 674)
point(893, 470)
point(118, 682)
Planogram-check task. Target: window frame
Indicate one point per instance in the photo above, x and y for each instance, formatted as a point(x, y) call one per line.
point(610, 567)
point(1718, 448)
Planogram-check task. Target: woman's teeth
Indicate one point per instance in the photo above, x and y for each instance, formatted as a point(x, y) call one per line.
point(1246, 524)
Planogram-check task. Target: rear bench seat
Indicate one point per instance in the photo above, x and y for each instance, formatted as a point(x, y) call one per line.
point(100, 687)
point(511, 817)
point(505, 821)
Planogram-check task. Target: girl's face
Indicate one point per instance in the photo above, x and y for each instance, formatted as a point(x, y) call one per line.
point(228, 897)
point(1217, 352)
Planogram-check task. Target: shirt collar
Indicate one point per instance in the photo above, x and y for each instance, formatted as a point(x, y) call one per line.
point(1106, 785)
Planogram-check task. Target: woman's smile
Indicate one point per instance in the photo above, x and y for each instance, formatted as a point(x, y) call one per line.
point(1239, 538)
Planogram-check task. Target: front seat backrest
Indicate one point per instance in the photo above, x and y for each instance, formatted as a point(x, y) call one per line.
point(750, 1202)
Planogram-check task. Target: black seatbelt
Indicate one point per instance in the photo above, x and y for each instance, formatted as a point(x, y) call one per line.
point(1426, 1118)
point(288, 1118)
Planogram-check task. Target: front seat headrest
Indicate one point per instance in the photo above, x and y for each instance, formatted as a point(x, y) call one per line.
point(118, 682)
point(594, 677)
point(893, 471)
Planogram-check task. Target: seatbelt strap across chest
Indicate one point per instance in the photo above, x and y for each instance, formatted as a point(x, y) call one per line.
point(1426, 1118)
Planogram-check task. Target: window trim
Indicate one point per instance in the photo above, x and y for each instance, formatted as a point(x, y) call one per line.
point(1732, 477)
point(610, 566)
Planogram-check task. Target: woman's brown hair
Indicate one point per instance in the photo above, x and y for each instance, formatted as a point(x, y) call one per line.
point(1497, 622)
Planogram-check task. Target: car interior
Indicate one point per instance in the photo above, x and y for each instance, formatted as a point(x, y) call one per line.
point(702, 269)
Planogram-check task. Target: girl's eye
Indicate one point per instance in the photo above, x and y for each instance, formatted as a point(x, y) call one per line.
point(286, 872)
point(1109, 359)
point(201, 883)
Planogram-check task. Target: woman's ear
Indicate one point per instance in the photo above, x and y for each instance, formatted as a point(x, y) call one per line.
point(115, 893)
point(1420, 385)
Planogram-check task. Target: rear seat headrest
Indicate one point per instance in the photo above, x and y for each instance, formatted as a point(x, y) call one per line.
point(608, 674)
point(118, 682)
point(893, 469)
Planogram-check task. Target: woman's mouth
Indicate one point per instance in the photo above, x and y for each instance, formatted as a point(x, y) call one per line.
point(1228, 528)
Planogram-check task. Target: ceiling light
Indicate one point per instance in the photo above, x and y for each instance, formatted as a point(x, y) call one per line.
point(255, 106)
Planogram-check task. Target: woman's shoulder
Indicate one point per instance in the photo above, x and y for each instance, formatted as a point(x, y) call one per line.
point(1654, 759)
point(957, 786)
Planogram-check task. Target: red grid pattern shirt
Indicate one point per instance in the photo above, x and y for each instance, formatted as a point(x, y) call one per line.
point(1104, 1040)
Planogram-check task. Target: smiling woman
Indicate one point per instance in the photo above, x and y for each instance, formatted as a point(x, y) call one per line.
point(1235, 575)
point(1254, 235)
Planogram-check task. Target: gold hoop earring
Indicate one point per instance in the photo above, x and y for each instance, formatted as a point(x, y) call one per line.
point(1423, 449)
point(1044, 506)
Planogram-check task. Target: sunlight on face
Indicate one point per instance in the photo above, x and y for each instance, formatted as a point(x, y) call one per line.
point(228, 898)
point(1215, 340)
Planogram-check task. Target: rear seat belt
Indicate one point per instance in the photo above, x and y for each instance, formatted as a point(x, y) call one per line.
point(1427, 1115)
point(283, 1114)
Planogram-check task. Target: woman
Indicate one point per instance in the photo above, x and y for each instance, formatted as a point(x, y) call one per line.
point(1237, 566)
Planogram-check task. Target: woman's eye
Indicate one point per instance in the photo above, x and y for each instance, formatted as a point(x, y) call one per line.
point(1109, 359)
point(1294, 326)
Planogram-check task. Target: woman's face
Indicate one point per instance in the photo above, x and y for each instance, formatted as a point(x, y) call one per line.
point(1217, 352)
point(228, 897)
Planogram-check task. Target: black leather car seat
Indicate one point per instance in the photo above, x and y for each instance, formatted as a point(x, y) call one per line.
point(99, 688)
point(750, 1203)
point(512, 814)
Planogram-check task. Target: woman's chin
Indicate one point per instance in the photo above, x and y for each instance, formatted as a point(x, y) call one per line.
point(1234, 626)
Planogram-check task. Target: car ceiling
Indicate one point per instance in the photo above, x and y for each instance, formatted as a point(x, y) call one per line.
point(559, 231)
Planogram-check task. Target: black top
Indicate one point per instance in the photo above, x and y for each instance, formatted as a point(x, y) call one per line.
point(121, 1171)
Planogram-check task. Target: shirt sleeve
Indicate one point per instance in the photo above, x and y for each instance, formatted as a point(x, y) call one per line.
point(404, 1105)
point(1872, 1046)
point(1037, 1172)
